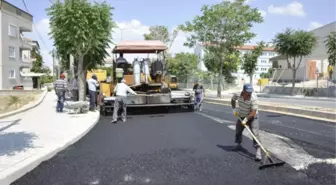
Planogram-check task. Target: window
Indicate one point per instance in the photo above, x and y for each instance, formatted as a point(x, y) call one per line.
point(263, 61)
point(263, 54)
point(11, 51)
point(12, 30)
point(11, 73)
point(271, 54)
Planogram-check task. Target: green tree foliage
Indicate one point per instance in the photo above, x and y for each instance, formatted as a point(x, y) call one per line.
point(294, 44)
point(222, 27)
point(330, 43)
point(38, 63)
point(161, 33)
point(183, 65)
point(250, 60)
point(269, 73)
point(83, 30)
point(230, 64)
point(158, 33)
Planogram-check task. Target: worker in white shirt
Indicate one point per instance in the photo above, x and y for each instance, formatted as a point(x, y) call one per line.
point(121, 91)
point(92, 85)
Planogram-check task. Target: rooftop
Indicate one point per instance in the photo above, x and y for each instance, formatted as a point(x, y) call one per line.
point(246, 47)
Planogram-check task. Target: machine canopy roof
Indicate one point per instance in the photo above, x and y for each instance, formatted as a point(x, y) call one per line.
point(143, 46)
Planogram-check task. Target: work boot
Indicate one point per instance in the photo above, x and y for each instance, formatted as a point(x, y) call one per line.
point(238, 147)
point(258, 155)
point(114, 121)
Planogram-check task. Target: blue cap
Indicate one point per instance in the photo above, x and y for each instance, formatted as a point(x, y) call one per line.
point(248, 88)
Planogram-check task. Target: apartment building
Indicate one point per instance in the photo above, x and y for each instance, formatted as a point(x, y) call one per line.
point(14, 47)
point(263, 64)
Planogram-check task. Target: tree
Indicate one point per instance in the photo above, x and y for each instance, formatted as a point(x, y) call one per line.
point(183, 65)
point(294, 45)
point(161, 33)
point(230, 64)
point(250, 60)
point(330, 43)
point(268, 74)
point(222, 27)
point(38, 63)
point(83, 30)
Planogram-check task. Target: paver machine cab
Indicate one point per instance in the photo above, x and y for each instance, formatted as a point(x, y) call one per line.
point(144, 77)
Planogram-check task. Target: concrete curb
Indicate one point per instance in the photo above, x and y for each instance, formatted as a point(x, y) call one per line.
point(296, 98)
point(26, 107)
point(30, 163)
point(309, 114)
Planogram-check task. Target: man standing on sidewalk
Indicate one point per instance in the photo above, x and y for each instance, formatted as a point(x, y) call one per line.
point(121, 90)
point(92, 85)
point(248, 112)
point(60, 87)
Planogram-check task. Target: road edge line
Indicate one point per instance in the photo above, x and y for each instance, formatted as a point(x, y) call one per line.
point(32, 164)
point(330, 121)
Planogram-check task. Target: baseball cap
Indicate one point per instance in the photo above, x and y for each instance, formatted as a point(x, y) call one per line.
point(248, 88)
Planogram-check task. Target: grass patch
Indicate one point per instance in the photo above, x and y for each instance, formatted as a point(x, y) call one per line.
point(13, 102)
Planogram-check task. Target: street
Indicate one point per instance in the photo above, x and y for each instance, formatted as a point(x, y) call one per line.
point(192, 148)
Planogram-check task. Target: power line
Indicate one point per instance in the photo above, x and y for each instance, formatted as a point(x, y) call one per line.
point(38, 34)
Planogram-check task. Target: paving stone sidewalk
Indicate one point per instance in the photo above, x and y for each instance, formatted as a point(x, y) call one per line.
point(28, 138)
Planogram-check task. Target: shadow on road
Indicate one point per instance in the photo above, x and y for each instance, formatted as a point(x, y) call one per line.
point(153, 110)
point(275, 115)
point(243, 152)
point(13, 142)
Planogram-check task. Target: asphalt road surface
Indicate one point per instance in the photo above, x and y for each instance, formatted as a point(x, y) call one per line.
point(192, 148)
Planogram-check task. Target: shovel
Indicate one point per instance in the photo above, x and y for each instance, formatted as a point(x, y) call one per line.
point(268, 157)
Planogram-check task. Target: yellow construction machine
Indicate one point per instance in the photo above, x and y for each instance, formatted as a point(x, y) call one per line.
point(144, 77)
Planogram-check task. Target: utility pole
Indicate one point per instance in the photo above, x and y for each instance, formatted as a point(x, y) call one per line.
point(53, 56)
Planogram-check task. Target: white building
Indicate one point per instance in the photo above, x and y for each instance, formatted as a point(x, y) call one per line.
point(15, 56)
point(316, 61)
point(263, 64)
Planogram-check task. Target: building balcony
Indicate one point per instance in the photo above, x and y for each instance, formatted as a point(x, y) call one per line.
point(25, 43)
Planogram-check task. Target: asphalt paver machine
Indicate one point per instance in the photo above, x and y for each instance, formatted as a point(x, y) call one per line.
point(145, 77)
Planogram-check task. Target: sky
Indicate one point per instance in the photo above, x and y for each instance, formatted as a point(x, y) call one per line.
point(134, 17)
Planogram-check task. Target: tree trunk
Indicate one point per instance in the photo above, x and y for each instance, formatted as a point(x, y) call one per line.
point(81, 79)
point(293, 81)
point(219, 87)
point(251, 79)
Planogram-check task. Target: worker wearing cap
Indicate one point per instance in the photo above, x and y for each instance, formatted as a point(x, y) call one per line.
point(121, 90)
point(199, 93)
point(248, 113)
point(92, 85)
point(60, 87)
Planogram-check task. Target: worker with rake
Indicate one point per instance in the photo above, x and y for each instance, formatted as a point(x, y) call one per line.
point(247, 114)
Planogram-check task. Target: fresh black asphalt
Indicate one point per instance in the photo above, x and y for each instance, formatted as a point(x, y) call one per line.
point(183, 148)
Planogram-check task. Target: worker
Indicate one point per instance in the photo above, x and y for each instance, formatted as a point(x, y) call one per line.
point(61, 87)
point(248, 113)
point(92, 85)
point(121, 91)
point(199, 94)
point(330, 71)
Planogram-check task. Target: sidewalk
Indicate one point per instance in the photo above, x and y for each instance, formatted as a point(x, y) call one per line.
point(31, 137)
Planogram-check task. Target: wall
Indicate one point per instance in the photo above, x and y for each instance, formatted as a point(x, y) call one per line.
point(23, 22)
point(320, 92)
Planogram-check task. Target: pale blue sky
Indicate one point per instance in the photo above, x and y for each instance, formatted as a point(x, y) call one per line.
point(303, 14)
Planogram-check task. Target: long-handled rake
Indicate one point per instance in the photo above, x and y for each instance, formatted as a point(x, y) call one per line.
point(268, 157)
